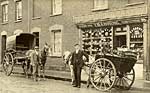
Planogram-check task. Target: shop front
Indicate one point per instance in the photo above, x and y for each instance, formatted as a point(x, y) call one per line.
point(113, 34)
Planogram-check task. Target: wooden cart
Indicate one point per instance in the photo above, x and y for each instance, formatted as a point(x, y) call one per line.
point(16, 47)
point(111, 70)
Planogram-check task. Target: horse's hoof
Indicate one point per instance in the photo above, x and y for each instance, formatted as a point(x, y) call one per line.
point(27, 76)
point(87, 86)
point(39, 79)
point(35, 80)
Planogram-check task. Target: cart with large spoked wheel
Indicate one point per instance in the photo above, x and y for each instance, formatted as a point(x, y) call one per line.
point(16, 48)
point(113, 71)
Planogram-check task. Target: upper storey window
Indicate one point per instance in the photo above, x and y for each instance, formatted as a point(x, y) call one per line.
point(18, 10)
point(56, 7)
point(100, 4)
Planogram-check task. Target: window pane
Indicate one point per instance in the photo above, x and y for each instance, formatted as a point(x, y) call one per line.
point(57, 42)
point(36, 8)
point(56, 6)
point(5, 13)
point(18, 10)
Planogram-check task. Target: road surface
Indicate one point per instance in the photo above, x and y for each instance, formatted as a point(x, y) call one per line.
point(17, 83)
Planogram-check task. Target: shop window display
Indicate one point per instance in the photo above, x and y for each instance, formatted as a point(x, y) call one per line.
point(95, 40)
point(136, 39)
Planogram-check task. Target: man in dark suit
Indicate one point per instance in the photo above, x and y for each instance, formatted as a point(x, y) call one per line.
point(78, 62)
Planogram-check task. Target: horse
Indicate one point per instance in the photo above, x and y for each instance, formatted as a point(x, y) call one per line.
point(66, 57)
point(42, 57)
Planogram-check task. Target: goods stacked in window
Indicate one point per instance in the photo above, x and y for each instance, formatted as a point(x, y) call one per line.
point(96, 40)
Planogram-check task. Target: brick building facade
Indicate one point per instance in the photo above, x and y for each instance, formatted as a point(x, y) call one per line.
point(60, 23)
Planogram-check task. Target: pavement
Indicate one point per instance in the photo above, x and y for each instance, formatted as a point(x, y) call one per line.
point(139, 84)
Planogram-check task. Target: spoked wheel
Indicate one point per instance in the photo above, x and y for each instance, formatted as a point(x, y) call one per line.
point(125, 80)
point(103, 74)
point(8, 63)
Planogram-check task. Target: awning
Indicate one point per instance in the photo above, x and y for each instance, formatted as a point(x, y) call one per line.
point(113, 22)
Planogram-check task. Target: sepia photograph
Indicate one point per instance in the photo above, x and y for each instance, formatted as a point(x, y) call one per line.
point(74, 46)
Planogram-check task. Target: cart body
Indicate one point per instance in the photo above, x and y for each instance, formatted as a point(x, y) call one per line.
point(16, 48)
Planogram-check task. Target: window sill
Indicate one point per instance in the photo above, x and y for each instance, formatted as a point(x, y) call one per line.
point(35, 18)
point(17, 21)
point(52, 15)
point(99, 9)
point(4, 23)
point(132, 4)
point(55, 56)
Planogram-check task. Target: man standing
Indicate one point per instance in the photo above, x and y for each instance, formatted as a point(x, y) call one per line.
point(35, 60)
point(78, 63)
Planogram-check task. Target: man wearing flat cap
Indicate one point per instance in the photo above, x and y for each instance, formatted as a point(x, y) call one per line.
point(35, 60)
point(78, 62)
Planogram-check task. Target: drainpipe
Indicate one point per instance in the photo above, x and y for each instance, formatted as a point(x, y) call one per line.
point(29, 16)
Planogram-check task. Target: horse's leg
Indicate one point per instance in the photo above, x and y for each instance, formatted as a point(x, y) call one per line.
point(72, 74)
point(44, 71)
point(24, 67)
point(31, 70)
point(39, 74)
point(28, 68)
point(43, 68)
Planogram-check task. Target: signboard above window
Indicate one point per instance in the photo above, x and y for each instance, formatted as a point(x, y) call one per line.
point(120, 30)
point(100, 4)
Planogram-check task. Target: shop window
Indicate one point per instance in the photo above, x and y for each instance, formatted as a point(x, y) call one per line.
point(100, 4)
point(36, 8)
point(135, 1)
point(18, 10)
point(56, 42)
point(36, 38)
point(136, 39)
point(56, 7)
point(4, 13)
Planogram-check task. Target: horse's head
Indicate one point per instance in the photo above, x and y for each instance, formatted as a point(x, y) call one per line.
point(46, 49)
point(66, 56)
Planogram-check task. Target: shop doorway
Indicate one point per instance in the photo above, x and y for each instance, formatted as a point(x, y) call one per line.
point(120, 41)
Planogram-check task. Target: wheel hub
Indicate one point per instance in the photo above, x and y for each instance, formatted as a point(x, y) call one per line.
point(120, 75)
point(103, 74)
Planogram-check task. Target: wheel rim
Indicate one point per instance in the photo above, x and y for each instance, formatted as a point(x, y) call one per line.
point(8, 63)
point(103, 74)
point(125, 80)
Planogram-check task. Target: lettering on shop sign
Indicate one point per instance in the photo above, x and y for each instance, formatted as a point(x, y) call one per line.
point(109, 23)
